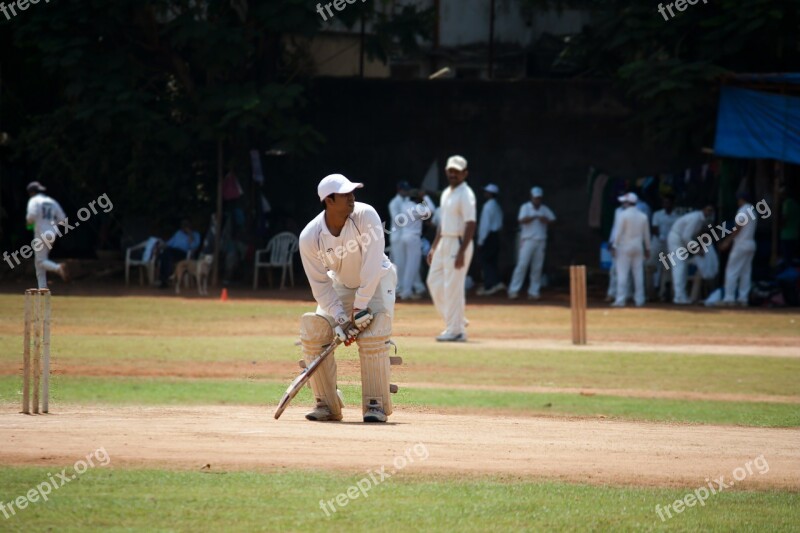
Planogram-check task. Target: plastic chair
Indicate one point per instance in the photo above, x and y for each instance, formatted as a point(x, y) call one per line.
point(144, 263)
point(280, 253)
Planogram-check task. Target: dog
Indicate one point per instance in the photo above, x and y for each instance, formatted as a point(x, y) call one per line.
point(199, 269)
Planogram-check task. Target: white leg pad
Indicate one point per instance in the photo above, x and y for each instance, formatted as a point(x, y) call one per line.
point(315, 334)
point(373, 351)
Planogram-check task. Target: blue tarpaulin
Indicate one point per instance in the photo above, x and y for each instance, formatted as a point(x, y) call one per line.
point(758, 125)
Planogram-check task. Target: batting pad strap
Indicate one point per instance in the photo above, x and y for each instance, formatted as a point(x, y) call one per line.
point(373, 352)
point(315, 334)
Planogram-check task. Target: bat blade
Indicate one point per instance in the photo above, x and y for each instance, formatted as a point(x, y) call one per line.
point(298, 382)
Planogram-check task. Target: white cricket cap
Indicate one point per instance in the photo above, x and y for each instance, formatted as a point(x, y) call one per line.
point(537, 192)
point(336, 184)
point(492, 188)
point(457, 162)
point(629, 198)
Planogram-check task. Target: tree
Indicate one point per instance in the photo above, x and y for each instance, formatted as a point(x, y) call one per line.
point(671, 66)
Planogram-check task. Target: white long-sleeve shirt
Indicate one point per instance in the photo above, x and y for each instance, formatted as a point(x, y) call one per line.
point(633, 230)
point(44, 213)
point(491, 219)
point(688, 226)
point(664, 221)
point(355, 258)
point(395, 208)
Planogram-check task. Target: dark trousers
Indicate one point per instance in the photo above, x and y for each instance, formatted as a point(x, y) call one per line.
point(490, 252)
point(169, 257)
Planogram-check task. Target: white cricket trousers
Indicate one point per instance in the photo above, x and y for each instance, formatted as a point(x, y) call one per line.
point(446, 283)
point(531, 254)
point(630, 260)
point(43, 266)
point(738, 270)
point(679, 270)
point(408, 270)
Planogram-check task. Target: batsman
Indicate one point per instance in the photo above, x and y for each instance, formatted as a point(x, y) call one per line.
point(342, 250)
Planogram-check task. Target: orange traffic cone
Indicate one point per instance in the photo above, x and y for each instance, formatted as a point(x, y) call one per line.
point(224, 296)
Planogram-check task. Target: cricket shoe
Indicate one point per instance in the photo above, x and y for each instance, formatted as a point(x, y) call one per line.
point(374, 415)
point(322, 414)
point(450, 337)
point(497, 288)
point(63, 271)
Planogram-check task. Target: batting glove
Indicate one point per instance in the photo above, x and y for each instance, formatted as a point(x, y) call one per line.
point(362, 319)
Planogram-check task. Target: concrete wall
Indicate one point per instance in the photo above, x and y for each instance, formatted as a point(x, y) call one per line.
point(517, 135)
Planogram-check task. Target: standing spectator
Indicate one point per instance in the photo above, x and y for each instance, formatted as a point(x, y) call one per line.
point(43, 216)
point(790, 229)
point(631, 248)
point(411, 218)
point(740, 260)
point(685, 229)
point(177, 248)
point(534, 217)
point(611, 295)
point(451, 251)
point(489, 226)
point(396, 231)
point(663, 219)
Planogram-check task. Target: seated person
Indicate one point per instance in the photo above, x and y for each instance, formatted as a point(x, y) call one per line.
point(176, 249)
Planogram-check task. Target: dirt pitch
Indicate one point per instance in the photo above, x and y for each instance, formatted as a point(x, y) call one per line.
point(593, 451)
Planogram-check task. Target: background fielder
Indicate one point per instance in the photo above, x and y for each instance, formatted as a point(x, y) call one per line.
point(44, 214)
point(451, 251)
point(342, 254)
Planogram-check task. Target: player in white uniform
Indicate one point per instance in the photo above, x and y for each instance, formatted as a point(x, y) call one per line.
point(534, 217)
point(663, 219)
point(489, 225)
point(411, 219)
point(342, 253)
point(44, 214)
point(451, 251)
point(685, 229)
point(631, 248)
point(396, 230)
point(740, 260)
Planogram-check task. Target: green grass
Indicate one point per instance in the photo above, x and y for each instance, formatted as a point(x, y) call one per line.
point(426, 361)
point(147, 391)
point(139, 500)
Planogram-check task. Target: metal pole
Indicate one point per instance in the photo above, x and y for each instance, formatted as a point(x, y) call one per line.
point(218, 222)
point(491, 39)
point(363, 41)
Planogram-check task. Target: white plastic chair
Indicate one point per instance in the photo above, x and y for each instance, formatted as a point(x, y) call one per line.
point(144, 263)
point(280, 253)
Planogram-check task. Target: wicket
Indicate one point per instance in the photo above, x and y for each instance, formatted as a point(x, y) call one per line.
point(37, 316)
point(577, 301)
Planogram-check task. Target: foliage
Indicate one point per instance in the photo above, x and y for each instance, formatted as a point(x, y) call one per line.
point(671, 67)
point(140, 92)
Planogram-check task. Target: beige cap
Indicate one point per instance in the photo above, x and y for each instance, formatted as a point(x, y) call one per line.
point(457, 162)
